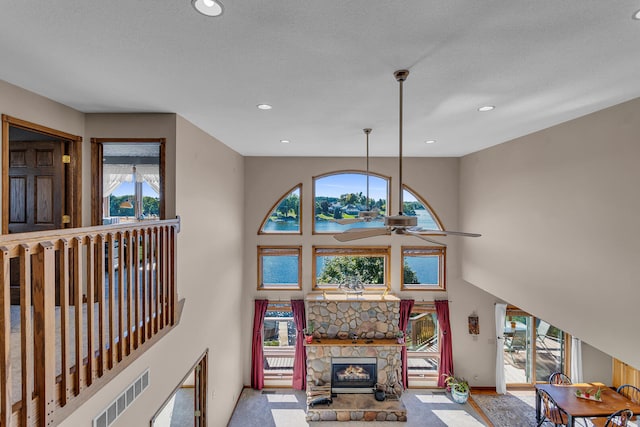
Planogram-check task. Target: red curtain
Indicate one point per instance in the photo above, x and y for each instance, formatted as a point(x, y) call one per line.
point(405, 312)
point(446, 352)
point(257, 363)
point(300, 358)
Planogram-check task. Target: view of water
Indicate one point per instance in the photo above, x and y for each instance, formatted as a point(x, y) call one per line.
point(425, 220)
point(284, 269)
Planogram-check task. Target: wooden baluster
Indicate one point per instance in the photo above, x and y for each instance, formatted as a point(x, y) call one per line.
point(173, 291)
point(165, 275)
point(162, 294)
point(135, 269)
point(100, 272)
point(112, 302)
point(149, 279)
point(120, 287)
point(156, 273)
point(26, 343)
point(65, 352)
point(90, 309)
point(145, 286)
point(5, 346)
point(129, 282)
point(78, 376)
point(44, 300)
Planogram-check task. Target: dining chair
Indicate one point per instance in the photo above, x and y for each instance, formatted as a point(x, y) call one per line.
point(549, 410)
point(629, 391)
point(617, 419)
point(559, 378)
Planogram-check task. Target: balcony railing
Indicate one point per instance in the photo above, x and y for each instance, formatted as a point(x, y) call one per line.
point(76, 307)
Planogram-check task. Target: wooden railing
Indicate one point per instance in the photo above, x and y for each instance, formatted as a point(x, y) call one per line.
point(90, 301)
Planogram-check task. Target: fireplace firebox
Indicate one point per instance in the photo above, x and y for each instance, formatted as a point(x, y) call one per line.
point(353, 374)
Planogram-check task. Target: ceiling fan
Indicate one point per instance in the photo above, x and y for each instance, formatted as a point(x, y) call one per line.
point(369, 214)
point(401, 223)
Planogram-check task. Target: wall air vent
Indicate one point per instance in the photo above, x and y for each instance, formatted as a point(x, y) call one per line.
point(111, 413)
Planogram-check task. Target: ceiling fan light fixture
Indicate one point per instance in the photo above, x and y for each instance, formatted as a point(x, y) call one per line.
point(208, 7)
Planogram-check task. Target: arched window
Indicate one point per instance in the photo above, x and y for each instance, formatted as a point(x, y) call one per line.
point(414, 205)
point(286, 215)
point(342, 195)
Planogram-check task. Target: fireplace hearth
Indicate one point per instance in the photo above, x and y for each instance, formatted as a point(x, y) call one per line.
point(353, 374)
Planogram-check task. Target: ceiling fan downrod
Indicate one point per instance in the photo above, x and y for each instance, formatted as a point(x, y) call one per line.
point(401, 76)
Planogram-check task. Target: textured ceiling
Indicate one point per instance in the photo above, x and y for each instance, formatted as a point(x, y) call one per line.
point(327, 67)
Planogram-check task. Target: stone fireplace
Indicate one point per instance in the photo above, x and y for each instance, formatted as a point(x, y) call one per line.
point(354, 347)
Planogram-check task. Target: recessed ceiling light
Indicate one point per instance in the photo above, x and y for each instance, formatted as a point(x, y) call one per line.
point(285, 141)
point(637, 15)
point(486, 108)
point(208, 7)
point(430, 141)
point(264, 107)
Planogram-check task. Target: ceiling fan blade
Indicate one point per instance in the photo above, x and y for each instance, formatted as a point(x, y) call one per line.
point(445, 232)
point(346, 221)
point(426, 239)
point(360, 233)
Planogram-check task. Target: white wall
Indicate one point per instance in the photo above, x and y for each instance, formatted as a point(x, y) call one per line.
point(558, 210)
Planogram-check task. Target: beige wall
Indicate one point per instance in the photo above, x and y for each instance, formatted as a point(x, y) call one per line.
point(558, 210)
point(436, 179)
point(208, 195)
point(132, 126)
point(208, 189)
point(25, 105)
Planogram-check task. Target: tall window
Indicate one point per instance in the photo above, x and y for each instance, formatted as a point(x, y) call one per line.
point(352, 267)
point(279, 343)
point(423, 353)
point(343, 195)
point(130, 183)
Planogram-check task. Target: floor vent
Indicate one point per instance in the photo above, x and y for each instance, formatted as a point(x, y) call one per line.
point(111, 413)
point(268, 392)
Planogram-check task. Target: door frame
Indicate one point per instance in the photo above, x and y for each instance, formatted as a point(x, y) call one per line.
point(96, 176)
point(73, 180)
point(200, 371)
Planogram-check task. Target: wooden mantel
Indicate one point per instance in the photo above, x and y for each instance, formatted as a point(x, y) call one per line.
point(360, 342)
point(364, 297)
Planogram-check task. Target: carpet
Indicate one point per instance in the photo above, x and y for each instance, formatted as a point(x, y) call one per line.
point(287, 408)
point(508, 410)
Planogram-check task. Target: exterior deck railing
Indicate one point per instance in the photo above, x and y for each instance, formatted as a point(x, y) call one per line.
point(86, 302)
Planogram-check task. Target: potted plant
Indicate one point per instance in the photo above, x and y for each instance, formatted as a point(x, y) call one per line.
point(459, 388)
point(308, 333)
point(400, 337)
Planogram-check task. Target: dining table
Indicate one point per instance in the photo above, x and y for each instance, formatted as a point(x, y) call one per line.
point(576, 407)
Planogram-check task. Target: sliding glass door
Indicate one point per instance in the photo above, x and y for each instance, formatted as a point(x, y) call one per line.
point(533, 349)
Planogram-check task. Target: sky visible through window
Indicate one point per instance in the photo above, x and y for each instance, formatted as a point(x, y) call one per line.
point(127, 189)
point(345, 183)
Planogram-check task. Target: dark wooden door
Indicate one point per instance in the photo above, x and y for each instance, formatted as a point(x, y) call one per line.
point(36, 195)
point(36, 186)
